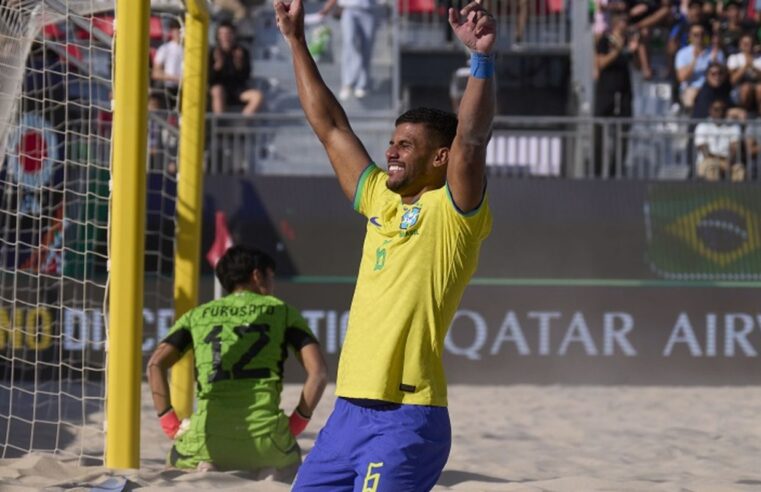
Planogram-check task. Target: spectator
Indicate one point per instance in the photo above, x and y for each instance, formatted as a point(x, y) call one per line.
point(230, 69)
point(233, 7)
point(162, 141)
point(679, 37)
point(167, 64)
point(155, 137)
point(716, 87)
point(614, 51)
point(692, 62)
point(753, 149)
point(718, 145)
point(643, 16)
point(359, 21)
point(710, 9)
point(613, 91)
point(745, 75)
point(601, 14)
point(732, 27)
point(753, 11)
point(520, 12)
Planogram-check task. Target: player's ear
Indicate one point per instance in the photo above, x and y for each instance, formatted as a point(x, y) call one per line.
point(441, 157)
point(257, 278)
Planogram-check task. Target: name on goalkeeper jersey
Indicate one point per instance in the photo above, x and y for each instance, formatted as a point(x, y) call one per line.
point(250, 310)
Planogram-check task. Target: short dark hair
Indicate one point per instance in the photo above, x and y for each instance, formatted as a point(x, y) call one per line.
point(750, 35)
point(442, 124)
point(619, 16)
point(718, 101)
point(238, 263)
point(697, 24)
point(722, 68)
point(173, 24)
point(695, 3)
point(227, 24)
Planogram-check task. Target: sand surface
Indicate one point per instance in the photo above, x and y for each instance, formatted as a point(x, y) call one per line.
point(507, 438)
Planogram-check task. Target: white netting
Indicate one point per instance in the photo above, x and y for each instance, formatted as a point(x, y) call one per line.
point(55, 129)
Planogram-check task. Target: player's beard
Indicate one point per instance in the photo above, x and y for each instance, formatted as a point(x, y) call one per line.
point(397, 185)
point(398, 180)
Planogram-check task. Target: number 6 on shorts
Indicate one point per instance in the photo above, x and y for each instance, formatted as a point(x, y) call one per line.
point(371, 479)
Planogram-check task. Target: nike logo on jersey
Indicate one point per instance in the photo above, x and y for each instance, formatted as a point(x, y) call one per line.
point(374, 221)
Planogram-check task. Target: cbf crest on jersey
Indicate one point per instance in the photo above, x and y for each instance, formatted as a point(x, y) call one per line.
point(410, 218)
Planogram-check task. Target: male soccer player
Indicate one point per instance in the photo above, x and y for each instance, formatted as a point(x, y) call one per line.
point(239, 344)
point(427, 216)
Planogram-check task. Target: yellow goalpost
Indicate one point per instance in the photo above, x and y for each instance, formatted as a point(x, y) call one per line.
point(127, 219)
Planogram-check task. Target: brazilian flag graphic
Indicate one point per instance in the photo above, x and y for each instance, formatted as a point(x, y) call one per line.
point(704, 231)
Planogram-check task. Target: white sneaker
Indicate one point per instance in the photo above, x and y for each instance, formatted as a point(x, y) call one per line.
point(360, 93)
point(345, 93)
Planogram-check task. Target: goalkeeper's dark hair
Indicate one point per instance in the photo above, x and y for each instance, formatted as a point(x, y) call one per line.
point(237, 265)
point(441, 124)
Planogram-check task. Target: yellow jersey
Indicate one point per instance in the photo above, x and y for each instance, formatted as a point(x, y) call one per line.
point(416, 262)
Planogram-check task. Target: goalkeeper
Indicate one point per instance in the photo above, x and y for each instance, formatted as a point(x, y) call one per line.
point(240, 343)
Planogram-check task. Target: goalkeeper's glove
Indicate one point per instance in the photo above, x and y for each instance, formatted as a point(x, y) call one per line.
point(170, 424)
point(297, 422)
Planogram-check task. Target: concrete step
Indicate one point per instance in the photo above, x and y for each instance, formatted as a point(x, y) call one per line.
point(271, 61)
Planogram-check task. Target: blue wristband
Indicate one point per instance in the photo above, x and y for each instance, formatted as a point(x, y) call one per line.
point(481, 66)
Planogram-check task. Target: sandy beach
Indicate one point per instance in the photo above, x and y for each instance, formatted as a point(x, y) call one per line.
point(507, 438)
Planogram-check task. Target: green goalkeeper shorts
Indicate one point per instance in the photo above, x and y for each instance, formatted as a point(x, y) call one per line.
point(278, 449)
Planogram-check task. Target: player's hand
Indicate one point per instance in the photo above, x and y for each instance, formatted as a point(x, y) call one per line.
point(290, 19)
point(170, 424)
point(474, 26)
point(297, 422)
point(634, 42)
point(238, 58)
point(219, 59)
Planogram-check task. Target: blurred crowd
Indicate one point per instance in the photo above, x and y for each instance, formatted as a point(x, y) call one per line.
point(230, 69)
point(230, 76)
point(708, 50)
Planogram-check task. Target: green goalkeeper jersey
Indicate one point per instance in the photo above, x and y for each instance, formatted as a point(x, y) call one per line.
point(240, 343)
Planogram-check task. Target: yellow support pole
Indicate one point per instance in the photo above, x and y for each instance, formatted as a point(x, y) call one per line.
point(125, 319)
point(189, 190)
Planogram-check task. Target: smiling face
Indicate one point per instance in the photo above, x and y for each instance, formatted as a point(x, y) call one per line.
point(715, 75)
point(697, 34)
point(717, 110)
point(225, 37)
point(746, 44)
point(415, 162)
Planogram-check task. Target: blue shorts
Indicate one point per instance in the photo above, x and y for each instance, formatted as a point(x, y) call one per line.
point(373, 446)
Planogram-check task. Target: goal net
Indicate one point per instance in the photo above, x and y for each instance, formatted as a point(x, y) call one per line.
point(55, 147)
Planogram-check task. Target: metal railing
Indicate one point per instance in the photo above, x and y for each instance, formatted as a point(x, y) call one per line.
point(281, 143)
point(523, 24)
point(559, 147)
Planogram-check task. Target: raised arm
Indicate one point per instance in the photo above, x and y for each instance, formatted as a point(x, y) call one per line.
point(476, 28)
point(326, 116)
